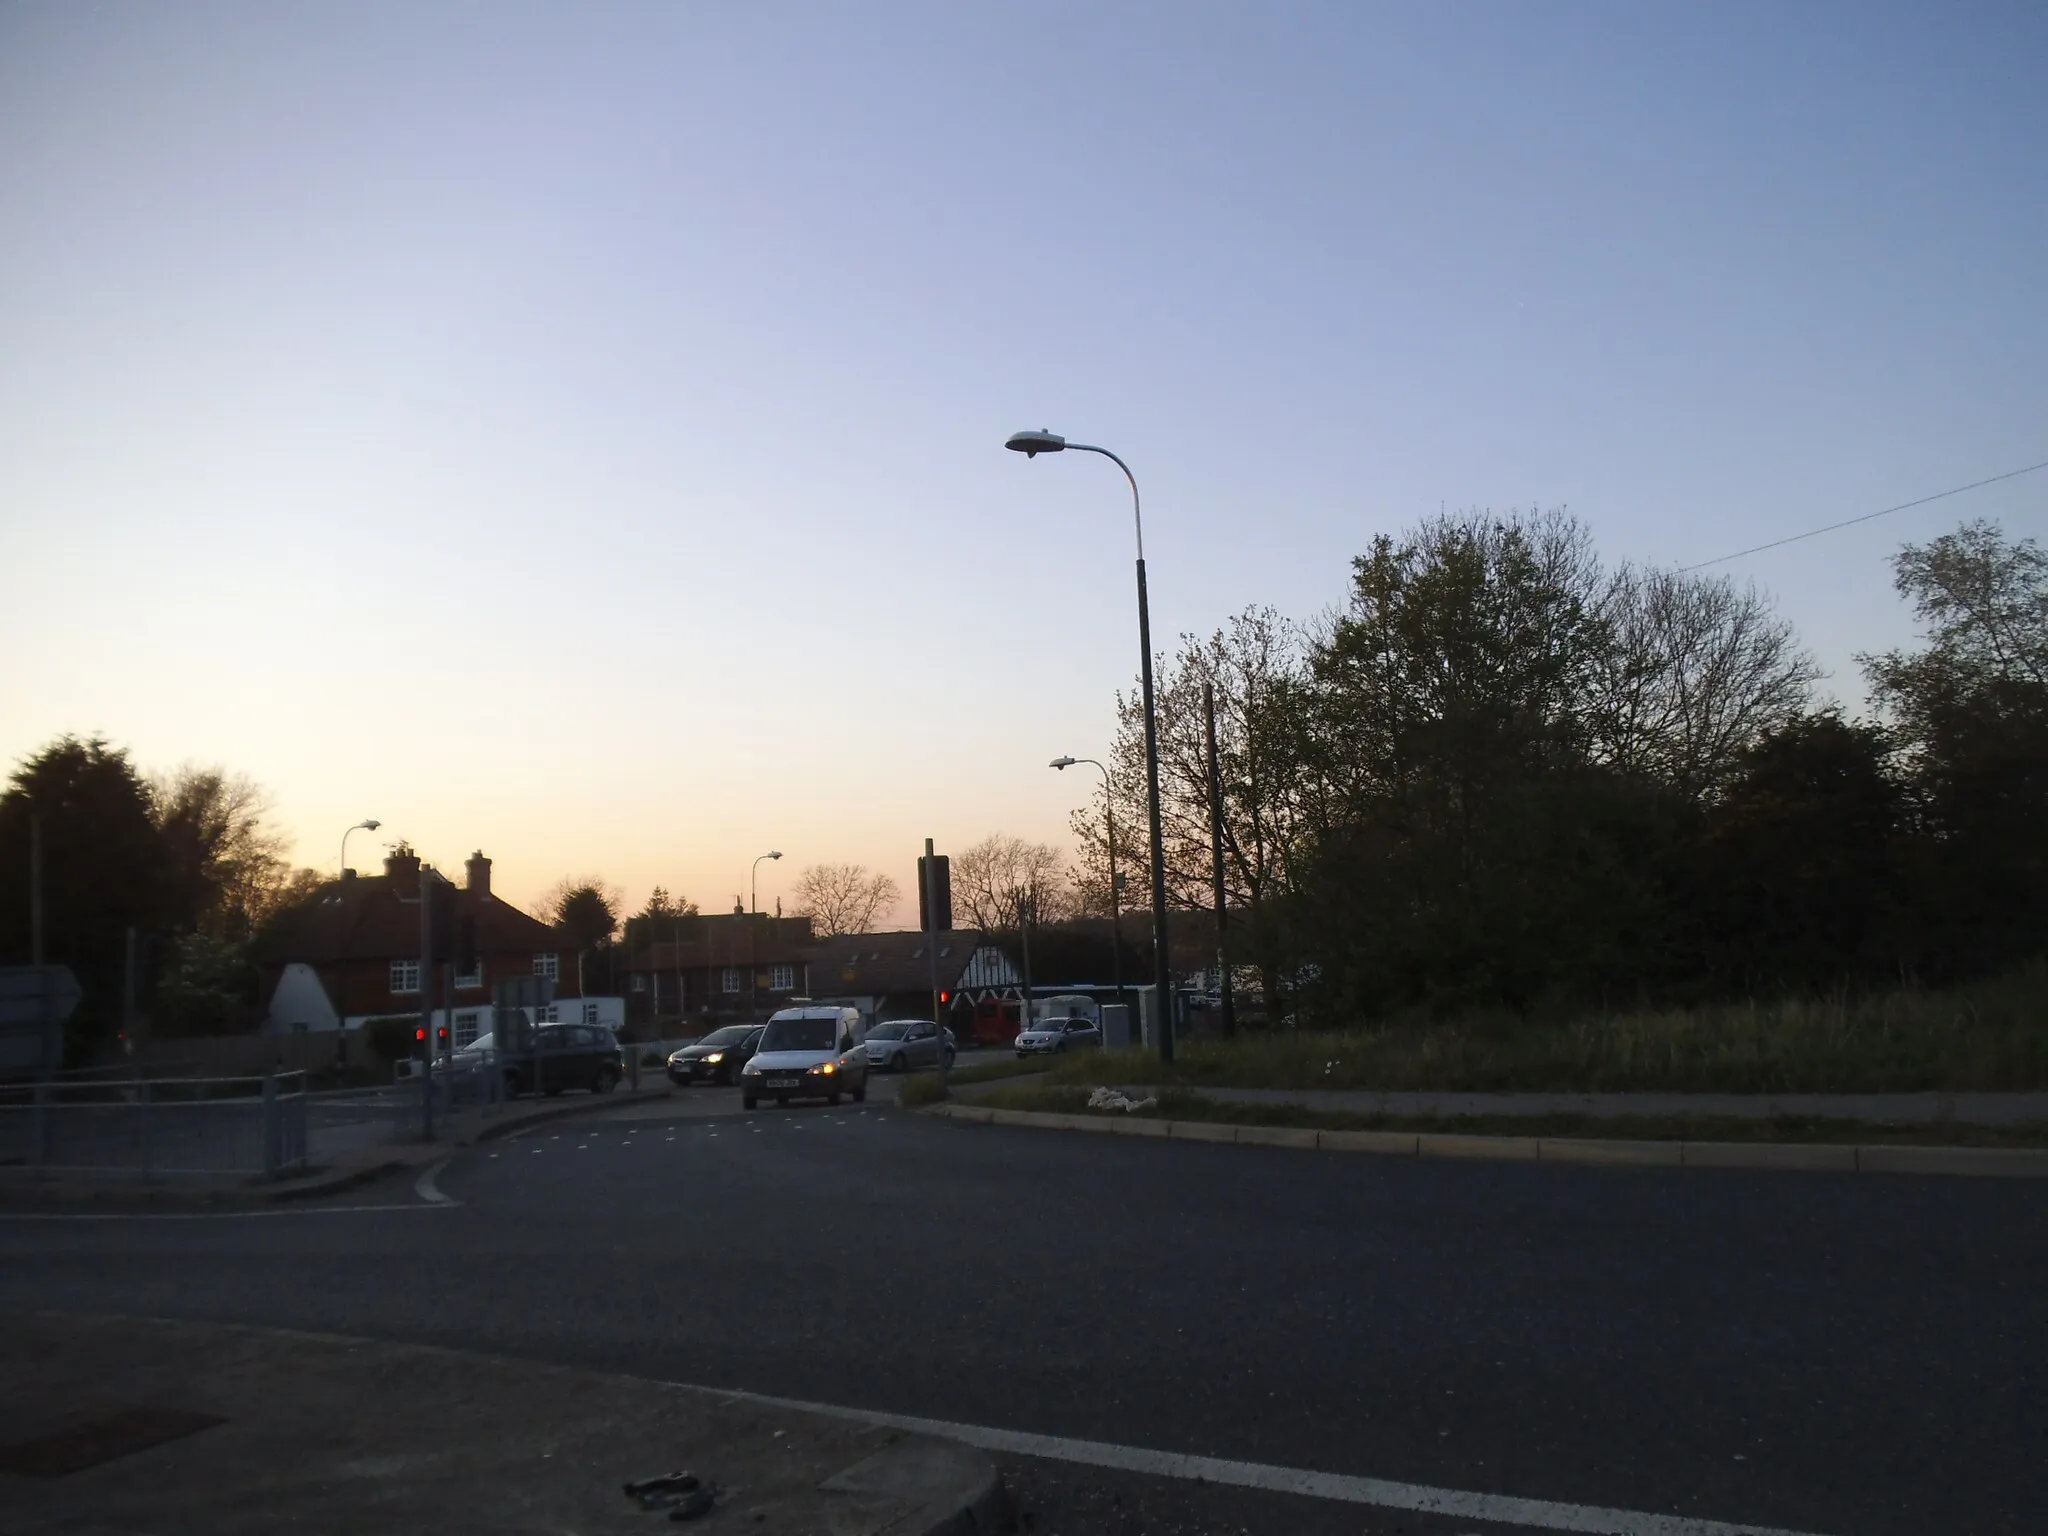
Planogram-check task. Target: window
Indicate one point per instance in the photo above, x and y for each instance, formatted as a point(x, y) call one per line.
point(548, 966)
point(639, 981)
point(590, 1013)
point(471, 979)
point(732, 979)
point(782, 978)
point(405, 975)
point(465, 1028)
point(549, 1014)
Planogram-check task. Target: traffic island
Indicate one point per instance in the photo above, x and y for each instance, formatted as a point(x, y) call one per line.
point(139, 1424)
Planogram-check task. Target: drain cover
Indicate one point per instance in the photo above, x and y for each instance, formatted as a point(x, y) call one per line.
point(113, 1435)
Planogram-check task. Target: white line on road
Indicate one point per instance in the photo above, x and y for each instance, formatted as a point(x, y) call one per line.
point(429, 1191)
point(1417, 1498)
point(283, 1210)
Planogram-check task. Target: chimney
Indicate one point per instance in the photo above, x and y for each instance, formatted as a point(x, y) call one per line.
point(348, 874)
point(479, 874)
point(402, 868)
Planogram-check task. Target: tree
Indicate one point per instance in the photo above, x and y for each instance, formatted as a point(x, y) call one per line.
point(1000, 878)
point(105, 869)
point(843, 898)
point(228, 868)
point(586, 909)
point(661, 906)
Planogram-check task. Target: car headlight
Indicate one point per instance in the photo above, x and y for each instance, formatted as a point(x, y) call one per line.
point(715, 1058)
point(751, 1069)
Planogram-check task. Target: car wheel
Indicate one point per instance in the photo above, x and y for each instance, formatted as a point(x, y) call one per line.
point(900, 1062)
point(607, 1080)
point(748, 1100)
point(512, 1088)
point(949, 1061)
point(832, 1099)
point(860, 1094)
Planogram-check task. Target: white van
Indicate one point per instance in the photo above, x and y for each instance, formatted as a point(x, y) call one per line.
point(808, 1053)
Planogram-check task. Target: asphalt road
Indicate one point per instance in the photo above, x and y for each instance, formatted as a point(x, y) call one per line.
point(1854, 1357)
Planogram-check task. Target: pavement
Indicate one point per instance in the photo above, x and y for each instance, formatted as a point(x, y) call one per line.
point(1878, 1108)
point(128, 1424)
point(1153, 1336)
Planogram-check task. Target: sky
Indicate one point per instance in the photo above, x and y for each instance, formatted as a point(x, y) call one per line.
point(575, 432)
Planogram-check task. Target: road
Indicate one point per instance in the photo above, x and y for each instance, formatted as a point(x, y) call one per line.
point(1852, 1357)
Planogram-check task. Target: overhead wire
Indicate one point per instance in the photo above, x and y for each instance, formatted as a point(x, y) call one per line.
point(1850, 522)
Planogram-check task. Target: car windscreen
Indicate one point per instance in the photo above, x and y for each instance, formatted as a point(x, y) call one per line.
point(888, 1031)
point(800, 1035)
point(732, 1034)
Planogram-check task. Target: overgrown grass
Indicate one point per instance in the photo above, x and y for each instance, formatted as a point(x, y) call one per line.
point(1991, 1035)
point(924, 1087)
point(1182, 1105)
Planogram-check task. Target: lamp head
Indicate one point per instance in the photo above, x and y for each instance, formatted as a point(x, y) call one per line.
point(1032, 444)
point(371, 824)
point(1062, 762)
point(775, 853)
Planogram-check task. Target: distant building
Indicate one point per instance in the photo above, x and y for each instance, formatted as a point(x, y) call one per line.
point(352, 953)
point(703, 970)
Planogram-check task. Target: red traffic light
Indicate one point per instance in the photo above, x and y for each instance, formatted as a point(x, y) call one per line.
point(945, 997)
point(420, 1033)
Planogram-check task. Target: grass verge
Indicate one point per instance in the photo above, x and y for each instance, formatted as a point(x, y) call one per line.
point(924, 1087)
point(1988, 1036)
point(1182, 1105)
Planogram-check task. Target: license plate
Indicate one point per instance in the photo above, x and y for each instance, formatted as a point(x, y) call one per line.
point(785, 1082)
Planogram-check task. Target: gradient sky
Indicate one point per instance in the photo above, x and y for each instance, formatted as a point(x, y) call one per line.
point(576, 431)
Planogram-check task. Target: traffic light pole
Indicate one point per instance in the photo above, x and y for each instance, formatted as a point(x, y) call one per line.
point(426, 1029)
point(931, 944)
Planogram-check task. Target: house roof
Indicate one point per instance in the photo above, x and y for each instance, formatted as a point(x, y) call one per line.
point(727, 942)
point(881, 964)
point(368, 918)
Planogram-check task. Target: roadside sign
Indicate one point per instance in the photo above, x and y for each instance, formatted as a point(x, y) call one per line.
point(32, 994)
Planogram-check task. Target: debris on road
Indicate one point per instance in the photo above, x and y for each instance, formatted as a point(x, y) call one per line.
point(1111, 1098)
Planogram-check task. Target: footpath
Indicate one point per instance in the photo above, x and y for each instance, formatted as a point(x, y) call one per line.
point(129, 1424)
point(356, 1165)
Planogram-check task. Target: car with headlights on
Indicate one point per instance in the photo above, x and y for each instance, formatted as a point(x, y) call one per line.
point(901, 1044)
point(808, 1053)
point(1048, 1037)
point(717, 1058)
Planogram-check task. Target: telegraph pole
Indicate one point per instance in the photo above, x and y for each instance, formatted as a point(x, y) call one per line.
point(1225, 994)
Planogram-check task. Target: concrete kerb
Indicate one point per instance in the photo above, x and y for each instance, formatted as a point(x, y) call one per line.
point(1810, 1157)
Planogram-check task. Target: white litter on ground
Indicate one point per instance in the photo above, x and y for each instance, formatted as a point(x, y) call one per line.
point(1111, 1098)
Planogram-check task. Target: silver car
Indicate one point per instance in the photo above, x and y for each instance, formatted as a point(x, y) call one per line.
point(1050, 1036)
point(807, 1053)
point(902, 1044)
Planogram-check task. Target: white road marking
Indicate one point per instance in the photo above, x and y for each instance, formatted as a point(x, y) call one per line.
point(282, 1210)
point(1417, 1498)
point(429, 1191)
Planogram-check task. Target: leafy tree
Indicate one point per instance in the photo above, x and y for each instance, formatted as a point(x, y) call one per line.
point(105, 870)
point(228, 868)
point(844, 898)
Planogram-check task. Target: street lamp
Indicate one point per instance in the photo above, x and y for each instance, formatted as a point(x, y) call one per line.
point(753, 913)
point(1031, 445)
point(1116, 921)
point(369, 825)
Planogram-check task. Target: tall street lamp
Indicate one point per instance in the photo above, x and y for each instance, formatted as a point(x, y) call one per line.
point(1031, 445)
point(753, 926)
point(1116, 921)
point(369, 825)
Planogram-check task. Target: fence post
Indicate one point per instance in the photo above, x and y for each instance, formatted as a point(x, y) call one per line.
point(148, 1128)
point(272, 1150)
point(41, 1129)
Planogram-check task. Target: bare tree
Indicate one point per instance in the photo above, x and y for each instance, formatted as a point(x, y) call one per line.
point(844, 898)
point(1697, 671)
point(1001, 876)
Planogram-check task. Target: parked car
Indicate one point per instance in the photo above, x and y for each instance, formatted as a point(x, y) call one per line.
point(1050, 1036)
point(565, 1056)
point(717, 1058)
point(808, 1053)
point(901, 1044)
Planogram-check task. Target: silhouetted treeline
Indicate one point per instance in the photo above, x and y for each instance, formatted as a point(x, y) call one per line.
point(1502, 776)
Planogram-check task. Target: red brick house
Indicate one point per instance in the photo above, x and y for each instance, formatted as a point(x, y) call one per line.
point(713, 969)
point(353, 952)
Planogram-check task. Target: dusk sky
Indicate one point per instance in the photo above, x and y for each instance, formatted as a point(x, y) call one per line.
point(576, 432)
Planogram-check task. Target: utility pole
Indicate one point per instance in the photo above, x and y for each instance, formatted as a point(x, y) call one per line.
point(427, 878)
point(1225, 994)
point(931, 944)
point(35, 890)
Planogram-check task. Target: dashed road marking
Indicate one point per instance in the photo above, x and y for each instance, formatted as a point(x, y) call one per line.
point(428, 1190)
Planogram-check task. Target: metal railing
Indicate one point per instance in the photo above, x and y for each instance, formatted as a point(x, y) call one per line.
point(159, 1127)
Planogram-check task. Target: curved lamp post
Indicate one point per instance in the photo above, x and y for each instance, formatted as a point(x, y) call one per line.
point(370, 824)
point(753, 912)
point(1116, 921)
point(1031, 445)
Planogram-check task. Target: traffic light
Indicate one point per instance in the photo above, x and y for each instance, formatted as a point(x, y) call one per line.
point(465, 945)
point(419, 1035)
point(935, 892)
point(945, 998)
point(441, 1037)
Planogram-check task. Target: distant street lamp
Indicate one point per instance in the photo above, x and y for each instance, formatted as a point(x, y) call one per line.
point(753, 925)
point(1031, 445)
point(370, 825)
point(1116, 921)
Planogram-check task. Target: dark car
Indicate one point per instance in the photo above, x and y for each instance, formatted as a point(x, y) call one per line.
point(717, 1058)
point(566, 1056)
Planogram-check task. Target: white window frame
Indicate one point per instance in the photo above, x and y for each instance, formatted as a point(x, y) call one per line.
point(547, 965)
point(730, 982)
point(466, 1028)
point(590, 1013)
point(405, 977)
point(549, 1013)
point(639, 981)
point(471, 980)
point(781, 978)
